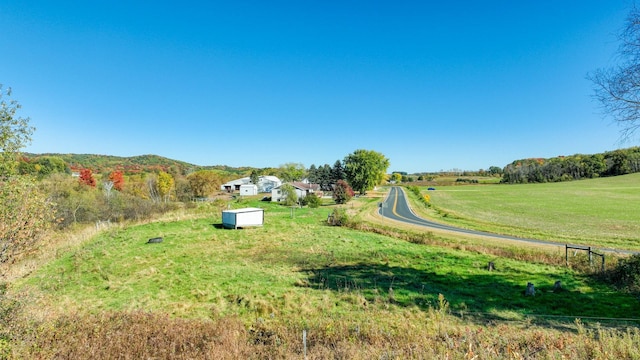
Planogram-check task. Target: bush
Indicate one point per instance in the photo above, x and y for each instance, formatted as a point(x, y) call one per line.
point(426, 199)
point(626, 274)
point(338, 217)
point(25, 214)
point(312, 200)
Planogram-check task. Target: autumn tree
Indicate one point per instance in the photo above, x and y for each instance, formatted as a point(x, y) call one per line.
point(118, 180)
point(364, 169)
point(342, 192)
point(86, 178)
point(618, 88)
point(165, 184)
point(204, 182)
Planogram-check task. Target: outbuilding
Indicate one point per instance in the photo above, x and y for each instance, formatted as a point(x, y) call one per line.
point(248, 189)
point(240, 218)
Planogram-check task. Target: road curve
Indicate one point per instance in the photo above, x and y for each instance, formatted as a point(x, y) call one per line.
point(396, 207)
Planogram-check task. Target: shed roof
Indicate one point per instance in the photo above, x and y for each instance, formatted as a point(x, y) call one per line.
point(243, 210)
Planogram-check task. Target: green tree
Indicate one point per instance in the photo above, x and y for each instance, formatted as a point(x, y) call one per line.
point(397, 177)
point(312, 174)
point(617, 162)
point(25, 212)
point(15, 133)
point(42, 166)
point(495, 170)
point(337, 172)
point(255, 177)
point(292, 172)
point(289, 194)
point(364, 169)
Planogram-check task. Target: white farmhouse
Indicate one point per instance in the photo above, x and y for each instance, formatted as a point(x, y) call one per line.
point(302, 190)
point(265, 184)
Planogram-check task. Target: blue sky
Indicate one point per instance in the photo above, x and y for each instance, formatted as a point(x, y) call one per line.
point(432, 85)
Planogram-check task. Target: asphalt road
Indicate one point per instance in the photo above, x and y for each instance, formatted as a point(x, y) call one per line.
point(396, 207)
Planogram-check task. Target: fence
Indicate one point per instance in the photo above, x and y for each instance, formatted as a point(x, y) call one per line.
point(584, 248)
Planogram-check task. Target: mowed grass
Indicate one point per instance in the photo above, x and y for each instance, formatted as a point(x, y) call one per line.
point(601, 212)
point(298, 269)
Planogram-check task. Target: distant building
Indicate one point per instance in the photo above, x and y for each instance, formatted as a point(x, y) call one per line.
point(302, 190)
point(248, 189)
point(265, 184)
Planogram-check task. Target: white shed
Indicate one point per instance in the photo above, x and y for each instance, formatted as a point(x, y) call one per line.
point(240, 218)
point(248, 189)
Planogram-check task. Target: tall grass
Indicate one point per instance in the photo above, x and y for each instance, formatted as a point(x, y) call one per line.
point(434, 335)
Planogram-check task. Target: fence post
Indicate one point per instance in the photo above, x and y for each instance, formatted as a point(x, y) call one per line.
point(566, 254)
point(304, 342)
point(590, 257)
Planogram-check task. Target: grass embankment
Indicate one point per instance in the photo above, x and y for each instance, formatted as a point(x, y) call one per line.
point(252, 292)
point(601, 212)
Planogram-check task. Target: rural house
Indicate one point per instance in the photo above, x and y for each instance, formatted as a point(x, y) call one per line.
point(265, 184)
point(302, 190)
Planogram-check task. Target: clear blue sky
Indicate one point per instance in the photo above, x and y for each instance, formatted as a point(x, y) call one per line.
point(432, 85)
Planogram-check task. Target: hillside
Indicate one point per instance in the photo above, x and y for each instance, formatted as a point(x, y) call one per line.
point(133, 164)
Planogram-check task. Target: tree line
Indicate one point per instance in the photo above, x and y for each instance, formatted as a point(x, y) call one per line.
point(574, 167)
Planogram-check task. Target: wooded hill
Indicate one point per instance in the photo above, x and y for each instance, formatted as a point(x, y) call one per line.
point(128, 165)
point(573, 167)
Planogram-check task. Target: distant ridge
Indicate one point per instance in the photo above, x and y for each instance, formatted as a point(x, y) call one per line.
point(133, 164)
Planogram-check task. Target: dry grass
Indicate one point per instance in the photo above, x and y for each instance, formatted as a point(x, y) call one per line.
point(140, 335)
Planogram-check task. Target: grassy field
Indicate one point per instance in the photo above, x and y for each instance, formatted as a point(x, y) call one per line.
point(601, 212)
point(249, 293)
point(299, 266)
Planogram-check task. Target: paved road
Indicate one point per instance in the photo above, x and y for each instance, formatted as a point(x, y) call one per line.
point(396, 207)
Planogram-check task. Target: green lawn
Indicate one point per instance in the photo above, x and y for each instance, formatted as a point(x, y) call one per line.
point(300, 269)
point(601, 212)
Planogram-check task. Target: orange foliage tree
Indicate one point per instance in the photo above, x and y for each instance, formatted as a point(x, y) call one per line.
point(86, 178)
point(118, 180)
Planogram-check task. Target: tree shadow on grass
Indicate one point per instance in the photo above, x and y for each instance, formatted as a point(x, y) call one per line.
point(481, 298)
